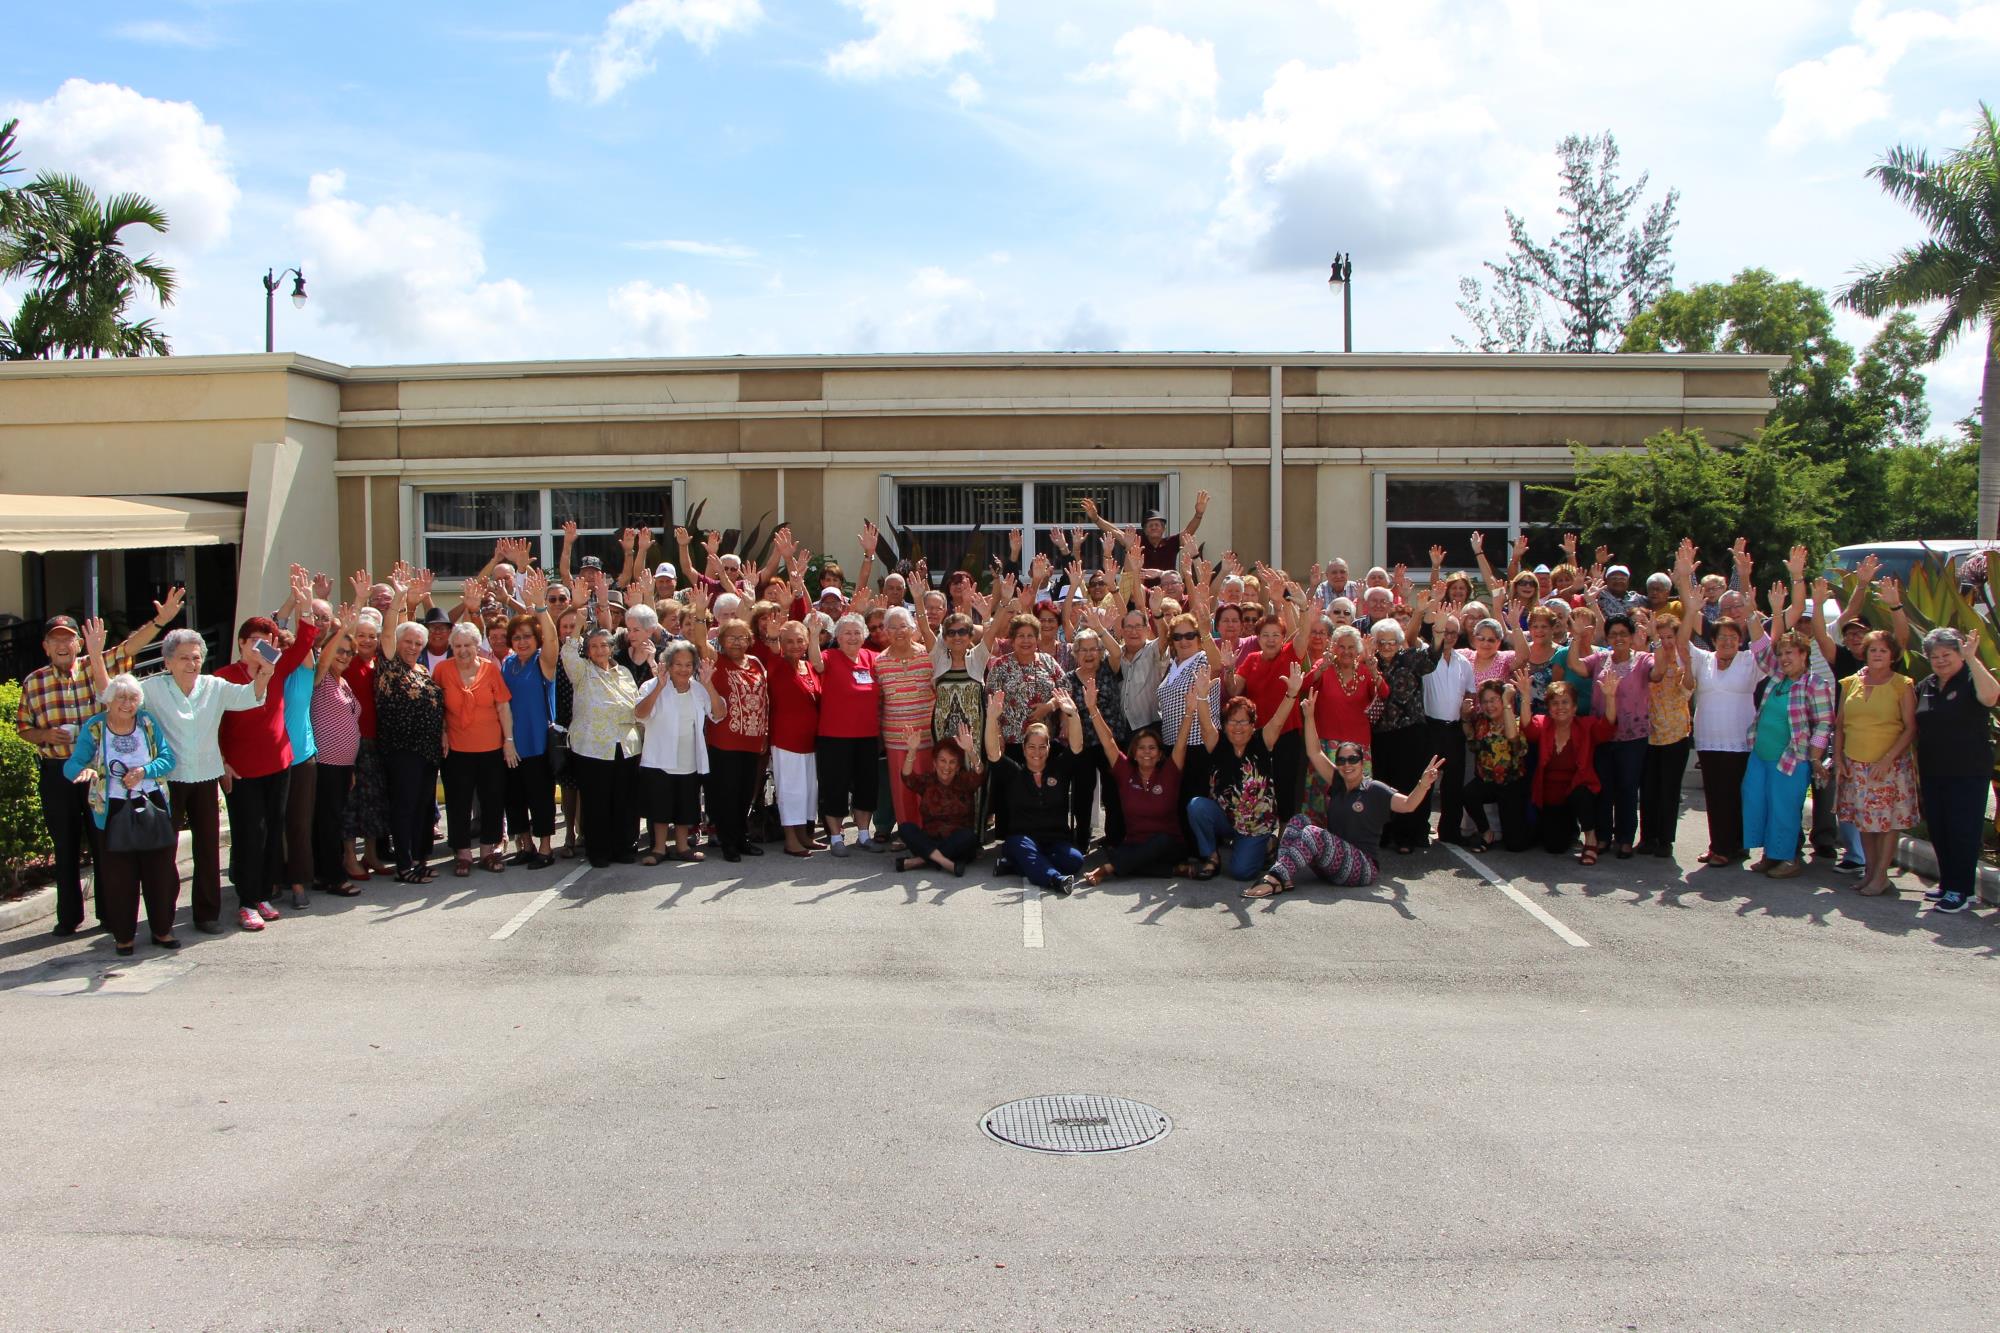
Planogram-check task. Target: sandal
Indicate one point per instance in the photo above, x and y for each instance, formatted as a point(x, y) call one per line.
point(1270, 886)
point(342, 890)
point(461, 867)
point(649, 860)
point(1588, 858)
point(691, 855)
point(1208, 869)
point(493, 861)
point(416, 875)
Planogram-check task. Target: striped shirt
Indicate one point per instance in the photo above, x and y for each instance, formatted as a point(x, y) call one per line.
point(908, 695)
point(336, 721)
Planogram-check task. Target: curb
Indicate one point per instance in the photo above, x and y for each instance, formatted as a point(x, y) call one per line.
point(1918, 855)
point(41, 903)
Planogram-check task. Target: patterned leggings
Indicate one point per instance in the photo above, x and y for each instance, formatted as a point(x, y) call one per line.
point(1306, 846)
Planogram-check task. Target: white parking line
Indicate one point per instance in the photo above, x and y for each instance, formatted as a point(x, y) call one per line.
point(1526, 903)
point(540, 900)
point(1031, 917)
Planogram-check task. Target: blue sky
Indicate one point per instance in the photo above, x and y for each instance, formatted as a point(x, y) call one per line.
point(470, 181)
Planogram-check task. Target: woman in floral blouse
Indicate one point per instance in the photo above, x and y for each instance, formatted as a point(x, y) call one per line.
point(1402, 742)
point(1241, 810)
point(409, 739)
point(1499, 769)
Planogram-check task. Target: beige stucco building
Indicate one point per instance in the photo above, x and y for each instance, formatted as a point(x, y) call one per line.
point(281, 457)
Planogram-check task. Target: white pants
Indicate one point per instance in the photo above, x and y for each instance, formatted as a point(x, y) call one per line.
point(797, 780)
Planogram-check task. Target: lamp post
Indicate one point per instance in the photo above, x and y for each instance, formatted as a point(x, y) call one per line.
point(1342, 282)
point(271, 281)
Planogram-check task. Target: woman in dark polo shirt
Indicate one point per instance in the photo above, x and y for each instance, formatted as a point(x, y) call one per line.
point(1955, 760)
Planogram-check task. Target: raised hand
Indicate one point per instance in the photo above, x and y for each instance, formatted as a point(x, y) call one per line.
point(1820, 591)
point(1478, 540)
point(1779, 596)
point(682, 537)
point(167, 609)
point(537, 588)
point(1014, 544)
point(712, 542)
point(361, 583)
point(1059, 540)
point(93, 639)
point(1437, 558)
point(965, 741)
point(1295, 679)
point(870, 534)
point(1602, 556)
point(705, 673)
point(1796, 562)
point(1890, 590)
point(1090, 692)
point(923, 575)
point(1522, 682)
point(1201, 502)
point(996, 702)
point(424, 581)
point(1088, 506)
point(569, 531)
point(913, 736)
point(322, 586)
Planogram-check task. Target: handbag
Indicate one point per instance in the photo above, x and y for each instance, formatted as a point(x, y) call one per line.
point(139, 824)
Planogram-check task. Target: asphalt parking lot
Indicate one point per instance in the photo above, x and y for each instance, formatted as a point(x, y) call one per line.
point(749, 1097)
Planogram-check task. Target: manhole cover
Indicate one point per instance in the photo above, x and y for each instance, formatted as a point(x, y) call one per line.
point(1076, 1122)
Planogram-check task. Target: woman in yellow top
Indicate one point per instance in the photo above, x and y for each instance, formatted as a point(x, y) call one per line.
point(1872, 755)
point(1670, 738)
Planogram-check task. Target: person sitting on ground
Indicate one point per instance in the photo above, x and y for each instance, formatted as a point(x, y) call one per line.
point(1240, 811)
point(1566, 786)
point(1037, 789)
point(1341, 850)
point(1148, 786)
point(942, 834)
point(1499, 769)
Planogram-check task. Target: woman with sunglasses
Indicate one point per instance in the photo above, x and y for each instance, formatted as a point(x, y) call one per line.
point(1339, 845)
point(1346, 690)
point(530, 671)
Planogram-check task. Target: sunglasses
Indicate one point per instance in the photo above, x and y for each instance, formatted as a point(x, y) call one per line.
point(1347, 760)
point(960, 633)
point(1184, 636)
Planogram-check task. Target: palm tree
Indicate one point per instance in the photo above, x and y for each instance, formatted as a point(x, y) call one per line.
point(1959, 200)
point(71, 246)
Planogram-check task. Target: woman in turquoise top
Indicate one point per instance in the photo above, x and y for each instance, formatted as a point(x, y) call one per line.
point(303, 781)
point(123, 754)
point(1793, 728)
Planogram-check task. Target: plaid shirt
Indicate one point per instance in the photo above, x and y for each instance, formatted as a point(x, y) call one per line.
point(1809, 704)
point(52, 700)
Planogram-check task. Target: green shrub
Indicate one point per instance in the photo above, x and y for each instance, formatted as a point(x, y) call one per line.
point(24, 838)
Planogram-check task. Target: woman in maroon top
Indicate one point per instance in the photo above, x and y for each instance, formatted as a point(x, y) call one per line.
point(795, 694)
point(850, 732)
point(736, 743)
point(257, 761)
point(1261, 678)
point(1149, 785)
point(942, 833)
point(1565, 784)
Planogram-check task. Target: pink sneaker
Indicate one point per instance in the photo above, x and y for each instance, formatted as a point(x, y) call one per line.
point(249, 920)
point(268, 912)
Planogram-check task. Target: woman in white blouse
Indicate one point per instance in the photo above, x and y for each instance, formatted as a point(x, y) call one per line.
point(189, 707)
point(1725, 699)
point(676, 709)
point(603, 746)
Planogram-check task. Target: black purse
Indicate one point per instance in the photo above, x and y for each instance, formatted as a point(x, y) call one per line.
point(139, 824)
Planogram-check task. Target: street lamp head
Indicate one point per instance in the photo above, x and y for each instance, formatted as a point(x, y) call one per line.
point(1343, 270)
point(299, 291)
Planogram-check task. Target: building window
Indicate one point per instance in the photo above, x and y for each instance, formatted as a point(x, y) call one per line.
point(949, 520)
point(457, 528)
point(1421, 512)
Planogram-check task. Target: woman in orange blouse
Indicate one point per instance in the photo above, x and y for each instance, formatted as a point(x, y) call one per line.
point(478, 749)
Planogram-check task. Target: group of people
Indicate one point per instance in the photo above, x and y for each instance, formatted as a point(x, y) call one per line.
point(1199, 718)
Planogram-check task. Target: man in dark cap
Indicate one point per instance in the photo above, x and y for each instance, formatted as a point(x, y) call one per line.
point(1157, 550)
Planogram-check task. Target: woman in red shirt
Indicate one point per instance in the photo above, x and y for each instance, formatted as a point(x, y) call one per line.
point(478, 748)
point(795, 695)
point(736, 743)
point(1565, 782)
point(850, 732)
point(257, 761)
point(1261, 678)
point(1349, 690)
point(943, 795)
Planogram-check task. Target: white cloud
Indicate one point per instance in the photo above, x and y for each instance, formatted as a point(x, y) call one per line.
point(659, 319)
point(408, 280)
point(624, 50)
point(727, 251)
point(965, 90)
point(1833, 95)
point(910, 37)
point(1163, 71)
point(936, 284)
point(117, 140)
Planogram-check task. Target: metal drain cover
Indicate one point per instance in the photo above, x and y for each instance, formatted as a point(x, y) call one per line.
point(1076, 1122)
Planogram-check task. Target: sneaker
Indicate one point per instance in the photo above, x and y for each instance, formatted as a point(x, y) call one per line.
point(249, 920)
point(1064, 887)
point(1847, 865)
point(837, 847)
point(867, 844)
point(1784, 870)
point(1953, 902)
point(1934, 895)
point(268, 912)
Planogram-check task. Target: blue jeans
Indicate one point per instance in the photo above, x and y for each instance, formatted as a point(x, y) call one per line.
point(1045, 861)
point(1248, 852)
point(1774, 807)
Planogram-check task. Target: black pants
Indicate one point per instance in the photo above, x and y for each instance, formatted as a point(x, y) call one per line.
point(1954, 814)
point(474, 775)
point(412, 782)
point(123, 876)
point(1447, 742)
point(1660, 792)
point(957, 845)
point(1152, 855)
point(1722, 791)
point(1090, 775)
point(1400, 756)
point(845, 766)
point(66, 811)
point(301, 804)
point(531, 797)
point(197, 808)
point(732, 785)
point(610, 792)
point(1512, 797)
point(1621, 778)
point(257, 808)
point(329, 818)
point(1558, 825)
point(1194, 782)
point(1288, 763)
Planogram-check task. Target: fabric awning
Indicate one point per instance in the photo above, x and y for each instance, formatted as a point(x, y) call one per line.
point(115, 522)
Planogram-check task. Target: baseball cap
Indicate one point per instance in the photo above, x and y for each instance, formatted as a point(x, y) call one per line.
point(590, 562)
point(59, 624)
point(1152, 514)
point(1618, 569)
point(1541, 569)
point(666, 571)
point(830, 591)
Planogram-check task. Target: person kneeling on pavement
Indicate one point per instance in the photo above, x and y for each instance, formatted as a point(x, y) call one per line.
point(942, 834)
point(1036, 792)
